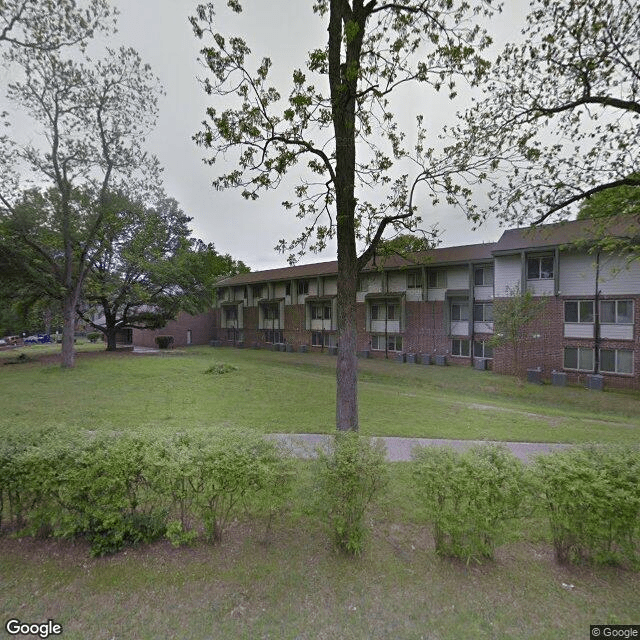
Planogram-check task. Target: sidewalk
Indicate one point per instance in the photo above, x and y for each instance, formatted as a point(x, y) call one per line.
point(399, 449)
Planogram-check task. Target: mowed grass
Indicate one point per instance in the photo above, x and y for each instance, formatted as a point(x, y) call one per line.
point(295, 393)
point(295, 586)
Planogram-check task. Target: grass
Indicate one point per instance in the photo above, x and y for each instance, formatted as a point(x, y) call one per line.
point(295, 393)
point(297, 586)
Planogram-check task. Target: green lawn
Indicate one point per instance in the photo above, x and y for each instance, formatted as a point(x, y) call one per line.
point(296, 586)
point(294, 393)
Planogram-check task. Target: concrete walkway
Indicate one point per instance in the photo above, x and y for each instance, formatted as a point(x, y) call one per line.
point(399, 449)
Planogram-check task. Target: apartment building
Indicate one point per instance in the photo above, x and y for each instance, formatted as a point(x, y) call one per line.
point(437, 307)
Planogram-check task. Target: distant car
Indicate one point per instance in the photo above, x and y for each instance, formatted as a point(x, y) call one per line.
point(12, 340)
point(3, 342)
point(41, 338)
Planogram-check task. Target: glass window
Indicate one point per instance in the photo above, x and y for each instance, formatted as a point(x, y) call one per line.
point(459, 311)
point(482, 349)
point(616, 360)
point(483, 312)
point(483, 276)
point(540, 268)
point(437, 279)
point(625, 312)
point(303, 287)
point(459, 347)
point(579, 358)
point(414, 280)
point(616, 311)
point(256, 290)
point(578, 311)
point(375, 312)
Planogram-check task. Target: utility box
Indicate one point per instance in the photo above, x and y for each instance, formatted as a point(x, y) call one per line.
point(303, 348)
point(558, 378)
point(290, 348)
point(333, 351)
point(255, 345)
point(425, 358)
point(411, 358)
point(214, 343)
point(282, 346)
point(534, 376)
point(400, 357)
point(441, 361)
point(595, 382)
point(480, 364)
point(240, 344)
point(363, 354)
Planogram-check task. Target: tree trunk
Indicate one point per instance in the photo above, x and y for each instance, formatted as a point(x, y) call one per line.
point(68, 330)
point(110, 335)
point(347, 365)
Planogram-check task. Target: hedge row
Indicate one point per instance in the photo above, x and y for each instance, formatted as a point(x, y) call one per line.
point(589, 495)
point(125, 489)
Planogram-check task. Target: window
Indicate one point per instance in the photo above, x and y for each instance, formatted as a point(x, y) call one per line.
point(482, 349)
point(437, 279)
point(323, 339)
point(271, 312)
point(275, 336)
point(459, 311)
point(231, 313)
point(393, 343)
point(578, 311)
point(483, 276)
point(616, 360)
point(414, 280)
point(234, 335)
point(540, 268)
point(303, 287)
point(483, 312)
point(579, 358)
point(378, 311)
point(256, 291)
point(616, 311)
point(460, 348)
point(222, 294)
point(321, 312)
point(287, 289)
point(363, 283)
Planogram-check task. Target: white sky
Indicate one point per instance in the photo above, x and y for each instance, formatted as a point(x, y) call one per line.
point(283, 30)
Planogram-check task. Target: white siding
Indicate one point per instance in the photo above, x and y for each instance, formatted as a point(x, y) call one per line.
point(436, 294)
point(319, 325)
point(460, 328)
point(616, 277)
point(577, 330)
point(483, 293)
point(616, 331)
point(544, 287)
point(330, 286)
point(483, 327)
point(414, 295)
point(279, 290)
point(397, 280)
point(507, 274)
point(577, 275)
point(458, 278)
point(378, 326)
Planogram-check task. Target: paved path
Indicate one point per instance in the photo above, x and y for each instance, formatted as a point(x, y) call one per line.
point(399, 449)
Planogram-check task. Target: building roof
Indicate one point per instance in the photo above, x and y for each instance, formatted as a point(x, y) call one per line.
point(546, 236)
point(439, 256)
point(562, 234)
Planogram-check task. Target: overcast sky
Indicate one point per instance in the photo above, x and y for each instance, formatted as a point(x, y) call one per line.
point(283, 30)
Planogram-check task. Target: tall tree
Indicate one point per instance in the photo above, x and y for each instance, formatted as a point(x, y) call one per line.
point(148, 268)
point(345, 130)
point(92, 118)
point(47, 25)
point(560, 120)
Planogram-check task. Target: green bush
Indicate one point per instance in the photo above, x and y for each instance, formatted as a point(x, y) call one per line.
point(93, 337)
point(164, 342)
point(351, 474)
point(592, 500)
point(469, 497)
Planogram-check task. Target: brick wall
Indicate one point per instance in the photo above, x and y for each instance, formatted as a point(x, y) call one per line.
point(202, 330)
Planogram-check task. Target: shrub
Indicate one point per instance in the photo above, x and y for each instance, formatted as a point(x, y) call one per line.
point(93, 337)
point(592, 500)
point(352, 474)
point(164, 342)
point(470, 497)
point(220, 369)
